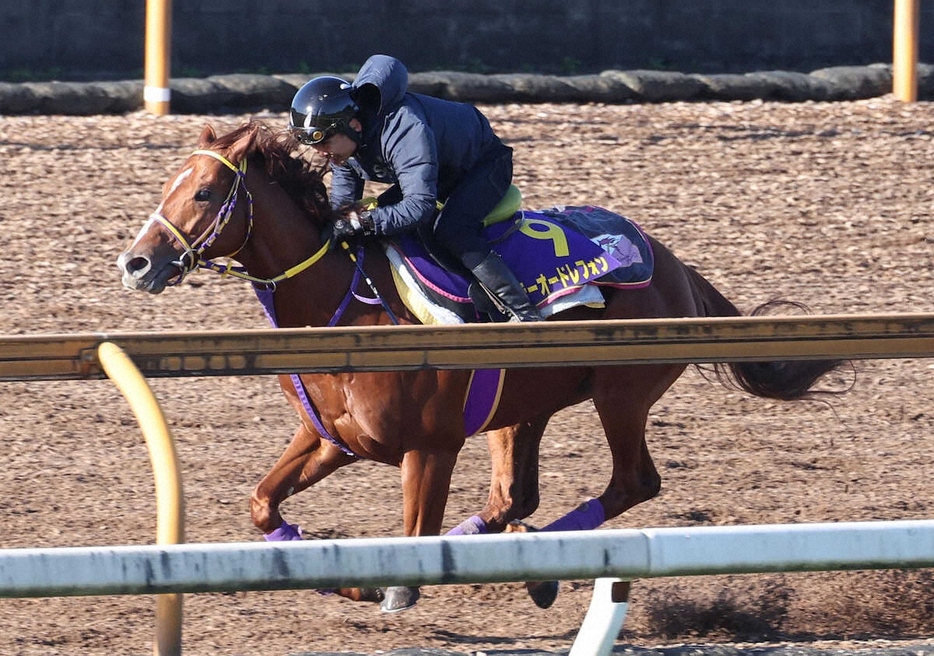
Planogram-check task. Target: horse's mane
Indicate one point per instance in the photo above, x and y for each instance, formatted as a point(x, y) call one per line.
point(303, 182)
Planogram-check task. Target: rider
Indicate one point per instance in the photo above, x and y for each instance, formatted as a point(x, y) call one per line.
point(429, 149)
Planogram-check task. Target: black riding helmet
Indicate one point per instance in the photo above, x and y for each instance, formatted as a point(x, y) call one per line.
point(321, 108)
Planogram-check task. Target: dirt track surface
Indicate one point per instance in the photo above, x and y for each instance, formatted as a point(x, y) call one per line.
point(827, 204)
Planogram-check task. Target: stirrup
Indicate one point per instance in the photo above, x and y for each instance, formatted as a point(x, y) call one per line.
point(524, 315)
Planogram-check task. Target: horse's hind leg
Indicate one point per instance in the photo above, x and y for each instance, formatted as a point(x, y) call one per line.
point(514, 492)
point(514, 479)
point(623, 397)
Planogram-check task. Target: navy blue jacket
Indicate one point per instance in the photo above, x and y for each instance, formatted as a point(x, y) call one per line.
point(420, 143)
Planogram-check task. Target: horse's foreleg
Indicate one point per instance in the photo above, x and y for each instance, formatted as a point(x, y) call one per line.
point(303, 463)
point(426, 479)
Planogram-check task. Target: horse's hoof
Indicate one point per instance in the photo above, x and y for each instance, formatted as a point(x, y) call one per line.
point(398, 598)
point(543, 593)
point(362, 594)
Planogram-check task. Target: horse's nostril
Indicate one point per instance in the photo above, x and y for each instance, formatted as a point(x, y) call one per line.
point(136, 264)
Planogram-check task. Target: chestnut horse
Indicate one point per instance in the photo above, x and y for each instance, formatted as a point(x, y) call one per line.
point(245, 196)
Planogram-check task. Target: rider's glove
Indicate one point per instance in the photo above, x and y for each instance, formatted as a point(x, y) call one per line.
point(362, 222)
point(339, 230)
point(355, 222)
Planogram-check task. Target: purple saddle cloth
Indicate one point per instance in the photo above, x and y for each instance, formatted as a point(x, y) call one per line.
point(552, 252)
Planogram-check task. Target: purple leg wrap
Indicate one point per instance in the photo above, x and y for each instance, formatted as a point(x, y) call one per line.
point(284, 533)
point(470, 526)
point(585, 517)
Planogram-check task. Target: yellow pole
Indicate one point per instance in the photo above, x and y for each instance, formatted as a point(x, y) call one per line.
point(170, 506)
point(905, 50)
point(156, 93)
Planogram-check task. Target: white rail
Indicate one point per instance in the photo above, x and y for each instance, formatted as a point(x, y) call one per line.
point(609, 556)
point(621, 553)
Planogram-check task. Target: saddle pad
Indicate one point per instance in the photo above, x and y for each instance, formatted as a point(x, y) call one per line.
point(553, 253)
point(433, 311)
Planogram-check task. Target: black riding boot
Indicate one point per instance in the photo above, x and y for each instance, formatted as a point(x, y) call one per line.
point(501, 283)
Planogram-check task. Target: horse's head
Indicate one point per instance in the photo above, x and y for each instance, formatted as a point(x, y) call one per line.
point(206, 211)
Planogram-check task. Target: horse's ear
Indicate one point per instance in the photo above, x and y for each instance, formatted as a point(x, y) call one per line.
point(245, 143)
point(207, 136)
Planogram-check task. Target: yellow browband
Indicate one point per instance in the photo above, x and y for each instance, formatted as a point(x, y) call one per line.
point(223, 160)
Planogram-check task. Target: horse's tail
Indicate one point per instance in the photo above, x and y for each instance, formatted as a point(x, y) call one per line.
point(785, 380)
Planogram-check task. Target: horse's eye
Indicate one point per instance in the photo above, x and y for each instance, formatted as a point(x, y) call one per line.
point(203, 195)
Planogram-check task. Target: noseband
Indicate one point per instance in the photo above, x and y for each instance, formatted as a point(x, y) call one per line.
point(191, 259)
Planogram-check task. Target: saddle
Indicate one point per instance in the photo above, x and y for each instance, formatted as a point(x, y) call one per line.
point(562, 256)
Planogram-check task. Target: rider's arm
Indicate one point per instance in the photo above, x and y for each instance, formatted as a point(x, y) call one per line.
point(346, 186)
point(409, 148)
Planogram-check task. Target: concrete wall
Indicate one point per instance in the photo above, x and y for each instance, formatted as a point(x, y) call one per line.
point(85, 39)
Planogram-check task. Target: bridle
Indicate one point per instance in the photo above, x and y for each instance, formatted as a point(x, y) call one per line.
point(192, 258)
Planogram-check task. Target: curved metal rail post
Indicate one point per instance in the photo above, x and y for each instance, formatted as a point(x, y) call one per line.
point(170, 505)
point(604, 619)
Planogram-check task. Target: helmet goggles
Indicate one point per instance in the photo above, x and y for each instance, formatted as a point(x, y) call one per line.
point(312, 136)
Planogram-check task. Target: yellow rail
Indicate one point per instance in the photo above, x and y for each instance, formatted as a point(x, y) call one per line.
point(170, 501)
point(157, 60)
point(252, 352)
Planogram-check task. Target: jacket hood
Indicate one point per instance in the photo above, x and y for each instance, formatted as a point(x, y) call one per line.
point(388, 76)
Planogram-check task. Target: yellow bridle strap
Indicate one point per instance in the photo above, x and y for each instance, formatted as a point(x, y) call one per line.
point(223, 160)
point(228, 270)
point(301, 266)
point(165, 223)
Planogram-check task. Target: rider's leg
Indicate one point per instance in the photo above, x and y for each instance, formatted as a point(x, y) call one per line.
point(457, 229)
point(501, 283)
